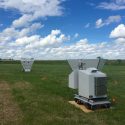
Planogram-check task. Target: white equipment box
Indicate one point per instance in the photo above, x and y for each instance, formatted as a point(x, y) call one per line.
point(73, 79)
point(92, 83)
point(77, 64)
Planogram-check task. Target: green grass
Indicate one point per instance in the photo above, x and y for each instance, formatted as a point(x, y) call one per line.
point(46, 101)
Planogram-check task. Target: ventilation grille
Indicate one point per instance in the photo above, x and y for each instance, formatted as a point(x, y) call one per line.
point(100, 86)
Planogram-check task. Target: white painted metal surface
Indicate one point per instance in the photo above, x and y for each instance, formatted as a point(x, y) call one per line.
point(86, 87)
point(82, 64)
point(76, 64)
point(73, 79)
point(27, 64)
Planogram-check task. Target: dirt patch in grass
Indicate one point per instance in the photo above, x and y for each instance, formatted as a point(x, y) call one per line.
point(10, 112)
point(115, 82)
point(44, 78)
point(4, 86)
point(22, 85)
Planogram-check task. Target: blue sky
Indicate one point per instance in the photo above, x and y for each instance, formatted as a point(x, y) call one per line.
point(77, 14)
point(62, 29)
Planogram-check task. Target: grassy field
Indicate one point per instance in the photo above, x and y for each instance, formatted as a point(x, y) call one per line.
point(41, 96)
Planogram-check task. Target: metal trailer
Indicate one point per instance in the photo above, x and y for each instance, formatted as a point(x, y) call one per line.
point(92, 104)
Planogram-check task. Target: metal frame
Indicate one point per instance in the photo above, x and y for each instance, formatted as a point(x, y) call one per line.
point(92, 103)
point(27, 64)
point(77, 64)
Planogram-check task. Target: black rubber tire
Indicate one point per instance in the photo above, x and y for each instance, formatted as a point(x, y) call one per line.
point(75, 100)
point(88, 106)
point(93, 107)
point(108, 106)
point(78, 102)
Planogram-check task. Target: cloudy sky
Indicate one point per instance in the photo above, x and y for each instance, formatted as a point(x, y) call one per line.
point(62, 29)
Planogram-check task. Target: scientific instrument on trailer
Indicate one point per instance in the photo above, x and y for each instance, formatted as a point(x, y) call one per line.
point(27, 64)
point(90, 82)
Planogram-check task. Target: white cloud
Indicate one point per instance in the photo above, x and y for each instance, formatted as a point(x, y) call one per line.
point(1, 24)
point(99, 23)
point(87, 25)
point(84, 49)
point(41, 8)
point(20, 40)
point(120, 40)
point(26, 40)
point(10, 34)
point(32, 10)
point(55, 32)
point(52, 47)
point(36, 41)
point(111, 19)
point(76, 35)
point(118, 32)
point(113, 5)
point(36, 26)
point(82, 42)
point(22, 21)
point(30, 29)
point(53, 39)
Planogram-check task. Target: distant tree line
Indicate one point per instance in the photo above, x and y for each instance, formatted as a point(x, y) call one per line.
point(115, 62)
point(108, 62)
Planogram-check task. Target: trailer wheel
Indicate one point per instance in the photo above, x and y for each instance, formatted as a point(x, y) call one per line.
point(88, 106)
point(93, 107)
point(107, 106)
point(75, 100)
point(78, 102)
